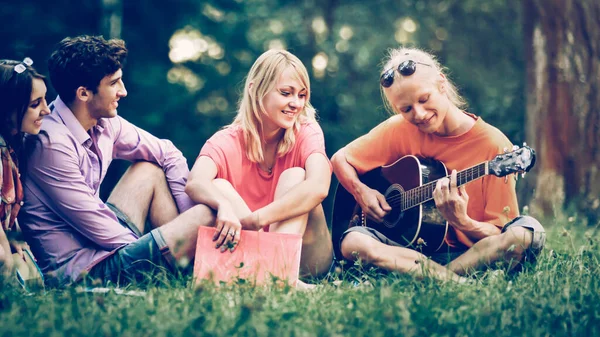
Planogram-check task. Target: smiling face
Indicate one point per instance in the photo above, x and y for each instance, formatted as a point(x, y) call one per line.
point(37, 108)
point(104, 102)
point(420, 100)
point(284, 103)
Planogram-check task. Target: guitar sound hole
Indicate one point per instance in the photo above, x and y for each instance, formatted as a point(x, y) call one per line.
point(394, 195)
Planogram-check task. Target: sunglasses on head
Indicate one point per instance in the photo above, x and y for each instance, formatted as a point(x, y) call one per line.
point(405, 68)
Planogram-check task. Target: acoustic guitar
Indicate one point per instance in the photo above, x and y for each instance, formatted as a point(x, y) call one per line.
point(408, 186)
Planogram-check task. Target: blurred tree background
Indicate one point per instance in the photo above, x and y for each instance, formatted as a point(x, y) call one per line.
point(188, 58)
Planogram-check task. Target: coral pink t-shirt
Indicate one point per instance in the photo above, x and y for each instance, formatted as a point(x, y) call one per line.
point(257, 187)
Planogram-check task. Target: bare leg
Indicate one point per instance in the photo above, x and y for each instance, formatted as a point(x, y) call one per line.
point(357, 245)
point(181, 233)
point(288, 179)
point(143, 191)
point(507, 247)
point(317, 248)
point(239, 205)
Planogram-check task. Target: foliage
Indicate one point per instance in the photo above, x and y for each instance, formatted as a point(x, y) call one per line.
point(188, 100)
point(559, 296)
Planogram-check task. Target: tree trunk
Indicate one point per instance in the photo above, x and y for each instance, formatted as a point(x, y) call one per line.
point(112, 18)
point(562, 46)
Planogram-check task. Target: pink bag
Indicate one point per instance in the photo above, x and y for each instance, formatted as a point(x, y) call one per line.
point(260, 258)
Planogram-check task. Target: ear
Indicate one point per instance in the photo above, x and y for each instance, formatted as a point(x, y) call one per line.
point(83, 94)
point(442, 82)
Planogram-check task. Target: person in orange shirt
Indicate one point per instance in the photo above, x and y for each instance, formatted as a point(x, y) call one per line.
point(268, 170)
point(429, 122)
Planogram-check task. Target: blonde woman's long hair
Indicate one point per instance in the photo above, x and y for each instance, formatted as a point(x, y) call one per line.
point(261, 79)
point(398, 55)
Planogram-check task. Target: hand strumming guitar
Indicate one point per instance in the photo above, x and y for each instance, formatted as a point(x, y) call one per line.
point(372, 202)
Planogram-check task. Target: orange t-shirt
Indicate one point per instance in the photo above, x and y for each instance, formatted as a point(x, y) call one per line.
point(490, 199)
point(257, 187)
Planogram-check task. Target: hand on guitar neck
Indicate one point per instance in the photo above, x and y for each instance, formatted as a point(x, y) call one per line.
point(452, 202)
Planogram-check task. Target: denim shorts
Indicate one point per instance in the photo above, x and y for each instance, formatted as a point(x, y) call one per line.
point(138, 261)
point(450, 253)
point(539, 235)
point(443, 257)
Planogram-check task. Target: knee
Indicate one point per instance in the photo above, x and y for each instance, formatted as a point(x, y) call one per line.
point(354, 246)
point(288, 179)
point(294, 175)
point(147, 170)
point(222, 184)
point(515, 241)
point(203, 213)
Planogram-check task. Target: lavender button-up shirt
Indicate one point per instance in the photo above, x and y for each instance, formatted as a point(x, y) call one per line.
point(68, 227)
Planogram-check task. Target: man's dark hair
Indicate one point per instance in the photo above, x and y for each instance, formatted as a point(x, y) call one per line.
point(83, 61)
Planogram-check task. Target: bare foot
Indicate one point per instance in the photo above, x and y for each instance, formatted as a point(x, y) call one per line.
point(305, 286)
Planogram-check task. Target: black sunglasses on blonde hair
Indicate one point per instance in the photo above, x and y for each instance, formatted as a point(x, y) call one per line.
point(405, 68)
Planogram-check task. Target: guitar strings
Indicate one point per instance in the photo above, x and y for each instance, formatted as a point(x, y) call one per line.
point(416, 194)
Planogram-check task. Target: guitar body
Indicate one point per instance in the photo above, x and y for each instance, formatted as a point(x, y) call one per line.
point(403, 227)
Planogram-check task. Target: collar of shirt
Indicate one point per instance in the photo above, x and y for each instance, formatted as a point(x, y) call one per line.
point(69, 120)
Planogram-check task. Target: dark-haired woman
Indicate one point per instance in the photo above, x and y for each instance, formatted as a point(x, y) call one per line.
point(22, 108)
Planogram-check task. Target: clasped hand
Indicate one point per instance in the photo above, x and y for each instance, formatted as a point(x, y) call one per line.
point(228, 229)
point(251, 222)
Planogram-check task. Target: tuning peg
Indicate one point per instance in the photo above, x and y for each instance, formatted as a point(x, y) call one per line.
point(515, 147)
point(524, 144)
point(506, 179)
point(516, 177)
point(505, 150)
point(523, 175)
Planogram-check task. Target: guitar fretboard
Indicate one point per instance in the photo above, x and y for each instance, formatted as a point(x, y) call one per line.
point(424, 193)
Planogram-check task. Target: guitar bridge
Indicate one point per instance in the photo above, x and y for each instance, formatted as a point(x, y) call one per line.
point(358, 220)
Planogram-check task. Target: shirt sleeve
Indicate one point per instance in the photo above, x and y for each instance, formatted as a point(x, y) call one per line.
point(132, 143)
point(376, 148)
point(54, 167)
point(213, 149)
point(312, 141)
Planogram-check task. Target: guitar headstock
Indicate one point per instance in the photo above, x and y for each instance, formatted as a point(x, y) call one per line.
point(520, 160)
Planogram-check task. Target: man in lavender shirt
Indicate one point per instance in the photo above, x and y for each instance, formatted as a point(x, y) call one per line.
point(70, 229)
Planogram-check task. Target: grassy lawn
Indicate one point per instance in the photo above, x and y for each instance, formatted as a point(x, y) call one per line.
point(559, 296)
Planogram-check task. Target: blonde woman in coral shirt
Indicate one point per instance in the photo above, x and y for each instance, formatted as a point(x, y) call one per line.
point(268, 170)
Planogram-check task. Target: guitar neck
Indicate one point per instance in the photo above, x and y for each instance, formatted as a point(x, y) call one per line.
point(424, 193)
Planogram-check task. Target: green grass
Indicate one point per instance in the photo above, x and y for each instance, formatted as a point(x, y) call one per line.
point(559, 296)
